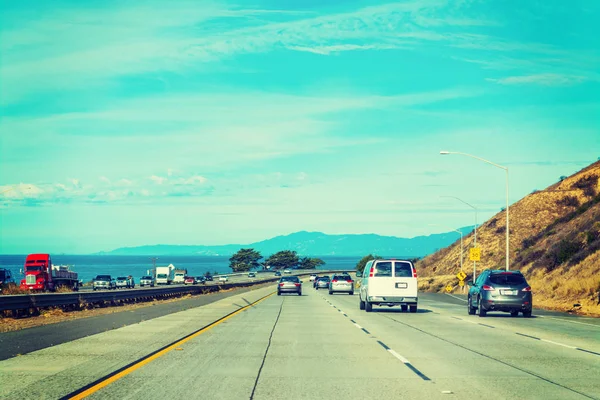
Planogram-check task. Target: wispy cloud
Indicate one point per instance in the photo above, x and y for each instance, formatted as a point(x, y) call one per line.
point(541, 80)
point(83, 47)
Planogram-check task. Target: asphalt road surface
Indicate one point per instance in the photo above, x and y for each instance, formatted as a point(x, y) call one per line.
point(321, 346)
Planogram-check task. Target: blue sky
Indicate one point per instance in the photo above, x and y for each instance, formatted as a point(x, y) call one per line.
point(197, 122)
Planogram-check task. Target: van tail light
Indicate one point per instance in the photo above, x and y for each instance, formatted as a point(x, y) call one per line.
point(527, 289)
point(349, 280)
point(297, 284)
point(414, 272)
point(334, 281)
point(488, 287)
point(371, 272)
point(281, 284)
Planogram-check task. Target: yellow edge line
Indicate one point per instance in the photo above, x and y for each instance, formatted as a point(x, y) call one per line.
point(161, 353)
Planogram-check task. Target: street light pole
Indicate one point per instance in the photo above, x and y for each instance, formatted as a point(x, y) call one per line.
point(506, 210)
point(475, 232)
point(461, 248)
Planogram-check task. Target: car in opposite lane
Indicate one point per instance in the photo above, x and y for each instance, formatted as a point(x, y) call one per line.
point(289, 284)
point(146, 280)
point(104, 282)
point(500, 290)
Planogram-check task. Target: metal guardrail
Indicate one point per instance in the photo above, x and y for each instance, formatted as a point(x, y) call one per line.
point(28, 301)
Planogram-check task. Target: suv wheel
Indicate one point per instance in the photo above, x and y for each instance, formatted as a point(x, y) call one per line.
point(413, 309)
point(527, 314)
point(361, 305)
point(278, 293)
point(514, 314)
point(330, 292)
point(404, 308)
point(368, 307)
point(472, 310)
point(299, 293)
point(482, 312)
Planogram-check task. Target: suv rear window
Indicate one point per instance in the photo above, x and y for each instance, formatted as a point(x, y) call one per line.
point(507, 279)
point(289, 279)
point(383, 269)
point(403, 270)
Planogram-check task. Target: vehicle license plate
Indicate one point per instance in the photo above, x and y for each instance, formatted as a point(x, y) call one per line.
point(508, 292)
point(401, 285)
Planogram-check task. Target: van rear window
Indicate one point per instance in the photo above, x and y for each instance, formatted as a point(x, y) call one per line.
point(383, 269)
point(403, 270)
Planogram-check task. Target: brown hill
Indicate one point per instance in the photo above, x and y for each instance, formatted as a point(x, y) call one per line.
point(554, 241)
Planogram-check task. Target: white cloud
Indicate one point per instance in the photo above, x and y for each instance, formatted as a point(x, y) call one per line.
point(157, 179)
point(124, 182)
point(105, 179)
point(193, 180)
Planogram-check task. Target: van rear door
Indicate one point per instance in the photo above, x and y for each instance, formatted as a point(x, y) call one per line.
point(393, 280)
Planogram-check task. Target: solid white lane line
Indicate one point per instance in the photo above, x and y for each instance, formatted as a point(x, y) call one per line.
point(458, 298)
point(558, 344)
point(566, 320)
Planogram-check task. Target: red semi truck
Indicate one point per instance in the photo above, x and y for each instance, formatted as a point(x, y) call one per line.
point(41, 275)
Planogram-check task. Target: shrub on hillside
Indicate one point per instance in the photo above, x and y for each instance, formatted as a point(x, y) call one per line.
point(528, 242)
point(501, 229)
point(568, 201)
point(588, 184)
point(585, 252)
point(529, 256)
point(591, 236)
point(559, 253)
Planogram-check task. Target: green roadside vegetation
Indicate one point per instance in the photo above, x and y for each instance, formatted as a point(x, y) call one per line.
point(248, 259)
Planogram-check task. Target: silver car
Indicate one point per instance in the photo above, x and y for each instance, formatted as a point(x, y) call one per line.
point(322, 282)
point(289, 284)
point(147, 281)
point(341, 283)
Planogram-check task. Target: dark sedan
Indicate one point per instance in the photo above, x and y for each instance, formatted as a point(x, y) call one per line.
point(506, 291)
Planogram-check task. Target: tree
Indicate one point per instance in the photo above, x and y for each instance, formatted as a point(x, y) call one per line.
point(310, 263)
point(244, 260)
point(360, 266)
point(283, 259)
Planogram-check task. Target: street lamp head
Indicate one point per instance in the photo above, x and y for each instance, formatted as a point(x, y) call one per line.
point(444, 152)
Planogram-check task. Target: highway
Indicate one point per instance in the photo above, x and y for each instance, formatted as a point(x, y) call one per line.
point(319, 346)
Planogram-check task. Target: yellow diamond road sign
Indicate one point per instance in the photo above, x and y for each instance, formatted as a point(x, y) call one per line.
point(475, 254)
point(461, 276)
point(449, 288)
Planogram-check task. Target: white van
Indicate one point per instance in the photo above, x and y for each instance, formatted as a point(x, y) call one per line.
point(389, 283)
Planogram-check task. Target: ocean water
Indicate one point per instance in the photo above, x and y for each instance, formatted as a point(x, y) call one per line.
point(88, 266)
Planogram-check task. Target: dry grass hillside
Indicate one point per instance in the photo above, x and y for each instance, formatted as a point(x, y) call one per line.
point(554, 241)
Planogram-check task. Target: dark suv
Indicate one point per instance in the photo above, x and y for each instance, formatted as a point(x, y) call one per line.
point(506, 291)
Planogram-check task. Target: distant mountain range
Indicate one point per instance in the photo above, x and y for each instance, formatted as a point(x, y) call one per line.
point(312, 244)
